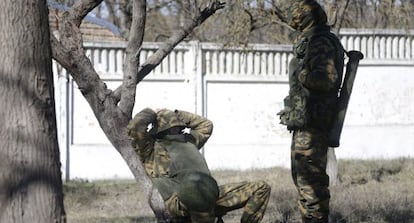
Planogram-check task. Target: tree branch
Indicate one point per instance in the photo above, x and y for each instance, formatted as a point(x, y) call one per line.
point(69, 33)
point(133, 73)
point(68, 51)
point(156, 58)
point(81, 8)
point(125, 18)
point(83, 72)
point(341, 20)
point(111, 12)
point(252, 20)
point(279, 13)
point(131, 63)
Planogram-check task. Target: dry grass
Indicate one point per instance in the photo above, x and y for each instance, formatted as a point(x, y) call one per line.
point(378, 191)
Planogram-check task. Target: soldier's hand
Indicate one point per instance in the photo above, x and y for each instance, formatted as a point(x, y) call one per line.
point(303, 75)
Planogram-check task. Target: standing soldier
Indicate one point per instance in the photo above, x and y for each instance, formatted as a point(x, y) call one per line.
point(168, 144)
point(315, 77)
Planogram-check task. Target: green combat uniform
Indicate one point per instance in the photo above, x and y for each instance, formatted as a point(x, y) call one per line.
point(169, 151)
point(315, 75)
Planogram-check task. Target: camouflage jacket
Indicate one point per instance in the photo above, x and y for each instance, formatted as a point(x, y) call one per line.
point(154, 153)
point(322, 55)
point(315, 76)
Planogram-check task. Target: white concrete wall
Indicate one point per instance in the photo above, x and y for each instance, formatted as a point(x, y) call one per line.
point(379, 123)
point(241, 92)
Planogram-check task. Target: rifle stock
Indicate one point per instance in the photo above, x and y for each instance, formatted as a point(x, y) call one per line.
point(345, 93)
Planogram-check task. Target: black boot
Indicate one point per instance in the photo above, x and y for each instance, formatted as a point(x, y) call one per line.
point(314, 220)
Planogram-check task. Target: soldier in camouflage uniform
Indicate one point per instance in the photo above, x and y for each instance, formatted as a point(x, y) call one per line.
point(315, 75)
point(168, 144)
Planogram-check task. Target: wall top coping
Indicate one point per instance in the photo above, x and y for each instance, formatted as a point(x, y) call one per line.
point(376, 32)
point(186, 45)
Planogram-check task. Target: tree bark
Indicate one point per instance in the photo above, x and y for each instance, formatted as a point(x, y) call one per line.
point(30, 175)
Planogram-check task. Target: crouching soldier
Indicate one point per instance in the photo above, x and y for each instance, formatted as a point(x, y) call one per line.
point(168, 144)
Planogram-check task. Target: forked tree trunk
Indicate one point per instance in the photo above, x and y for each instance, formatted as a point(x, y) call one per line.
point(30, 175)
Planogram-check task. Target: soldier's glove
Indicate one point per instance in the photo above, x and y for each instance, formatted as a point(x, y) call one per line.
point(283, 116)
point(281, 113)
point(303, 75)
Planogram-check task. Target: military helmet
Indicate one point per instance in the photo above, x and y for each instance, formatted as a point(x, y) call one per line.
point(198, 191)
point(305, 13)
point(167, 119)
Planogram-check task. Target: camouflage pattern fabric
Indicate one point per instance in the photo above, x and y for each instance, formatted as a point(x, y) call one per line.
point(303, 14)
point(314, 82)
point(181, 214)
point(294, 113)
point(153, 154)
point(315, 75)
point(167, 119)
point(252, 196)
point(198, 191)
point(308, 165)
point(158, 160)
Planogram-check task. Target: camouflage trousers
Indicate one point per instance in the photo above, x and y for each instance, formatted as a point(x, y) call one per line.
point(308, 160)
point(251, 196)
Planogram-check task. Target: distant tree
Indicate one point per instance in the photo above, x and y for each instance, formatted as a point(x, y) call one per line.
point(257, 21)
point(113, 108)
point(30, 175)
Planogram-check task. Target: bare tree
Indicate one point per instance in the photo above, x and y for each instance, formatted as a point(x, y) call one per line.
point(30, 176)
point(255, 21)
point(113, 109)
point(258, 21)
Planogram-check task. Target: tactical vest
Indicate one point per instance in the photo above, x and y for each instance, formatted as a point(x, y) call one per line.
point(184, 155)
point(183, 161)
point(310, 109)
point(188, 175)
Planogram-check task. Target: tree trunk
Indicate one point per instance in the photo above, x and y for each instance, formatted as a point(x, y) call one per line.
point(30, 175)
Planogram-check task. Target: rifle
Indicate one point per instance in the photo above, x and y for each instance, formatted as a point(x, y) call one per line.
point(344, 95)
